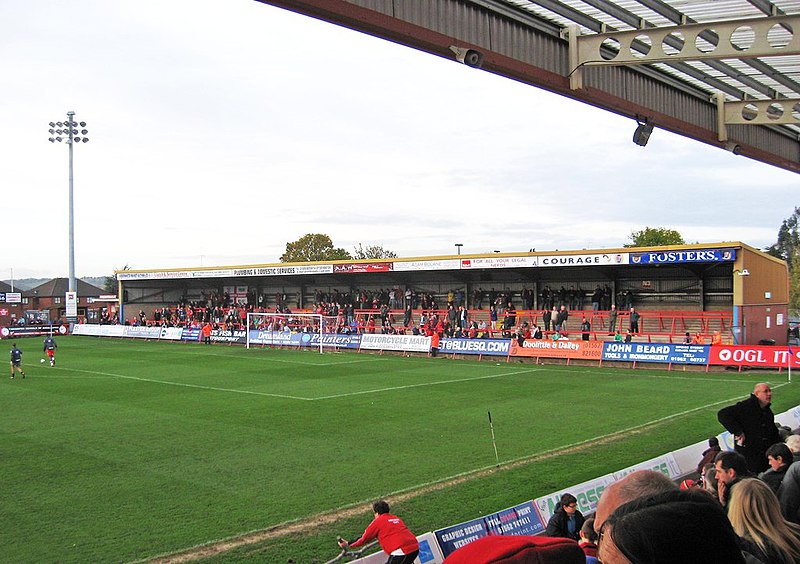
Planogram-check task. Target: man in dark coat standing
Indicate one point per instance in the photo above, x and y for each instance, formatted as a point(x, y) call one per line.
point(752, 424)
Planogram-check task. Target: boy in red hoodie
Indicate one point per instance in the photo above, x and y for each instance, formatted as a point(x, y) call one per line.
point(395, 538)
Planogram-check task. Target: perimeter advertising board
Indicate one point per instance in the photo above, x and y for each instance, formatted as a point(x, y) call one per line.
point(333, 340)
point(563, 348)
point(238, 336)
point(761, 356)
point(521, 519)
point(489, 347)
point(655, 352)
point(31, 330)
point(411, 343)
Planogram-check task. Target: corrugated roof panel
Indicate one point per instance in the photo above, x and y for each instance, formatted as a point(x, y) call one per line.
point(760, 79)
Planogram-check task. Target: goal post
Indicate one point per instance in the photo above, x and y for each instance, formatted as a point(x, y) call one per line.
point(282, 329)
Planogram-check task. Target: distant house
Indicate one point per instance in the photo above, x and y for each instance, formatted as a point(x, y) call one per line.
point(45, 302)
point(10, 309)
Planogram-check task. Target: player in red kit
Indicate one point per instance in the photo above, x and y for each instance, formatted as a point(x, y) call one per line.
point(395, 538)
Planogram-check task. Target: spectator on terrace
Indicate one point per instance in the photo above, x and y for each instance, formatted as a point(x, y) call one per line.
point(784, 431)
point(612, 320)
point(780, 458)
point(597, 297)
point(634, 485)
point(628, 337)
point(546, 317)
point(493, 316)
point(452, 315)
point(755, 515)
point(731, 468)
point(634, 321)
point(567, 520)
point(752, 424)
point(407, 316)
point(523, 332)
point(687, 340)
point(710, 484)
point(793, 442)
point(617, 336)
point(669, 527)
point(536, 332)
point(716, 339)
point(588, 538)
point(709, 454)
point(698, 339)
point(586, 327)
point(561, 320)
point(554, 319)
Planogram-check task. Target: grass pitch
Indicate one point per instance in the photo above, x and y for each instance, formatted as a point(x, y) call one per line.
point(128, 450)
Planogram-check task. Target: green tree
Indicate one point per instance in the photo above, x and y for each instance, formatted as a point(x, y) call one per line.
point(110, 284)
point(787, 247)
point(794, 290)
point(655, 237)
point(313, 247)
point(372, 252)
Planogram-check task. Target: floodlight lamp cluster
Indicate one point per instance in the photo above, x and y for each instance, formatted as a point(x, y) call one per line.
point(68, 131)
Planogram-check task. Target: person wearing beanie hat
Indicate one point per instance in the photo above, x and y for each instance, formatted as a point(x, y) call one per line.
point(709, 454)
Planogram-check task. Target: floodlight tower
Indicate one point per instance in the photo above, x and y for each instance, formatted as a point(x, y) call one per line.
point(67, 132)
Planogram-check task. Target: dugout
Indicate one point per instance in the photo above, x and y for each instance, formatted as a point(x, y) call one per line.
point(748, 286)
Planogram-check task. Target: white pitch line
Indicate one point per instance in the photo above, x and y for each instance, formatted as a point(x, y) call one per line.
point(185, 385)
point(284, 396)
point(240, 357)
point(392, 388)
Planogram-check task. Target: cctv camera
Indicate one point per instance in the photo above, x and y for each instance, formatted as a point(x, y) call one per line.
point(469, 57)
point(733, 148)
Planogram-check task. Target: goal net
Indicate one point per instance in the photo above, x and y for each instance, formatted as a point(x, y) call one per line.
point(289, 329)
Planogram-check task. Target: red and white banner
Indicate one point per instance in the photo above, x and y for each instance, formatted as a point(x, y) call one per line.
point(754, 355)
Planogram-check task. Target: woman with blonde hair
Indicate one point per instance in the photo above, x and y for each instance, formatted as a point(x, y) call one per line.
point(755, 513)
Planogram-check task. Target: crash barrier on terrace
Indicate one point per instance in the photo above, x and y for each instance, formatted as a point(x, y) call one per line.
point(632, 353)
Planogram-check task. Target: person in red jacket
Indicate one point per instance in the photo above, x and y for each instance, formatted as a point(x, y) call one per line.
point(395, 538)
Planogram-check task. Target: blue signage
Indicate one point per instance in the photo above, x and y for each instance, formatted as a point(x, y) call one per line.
point(282, 338)
point(330, 340)
point(656, 352)
point(670, 257)
point(192, 334)
point(522, 519)
point(491, 347)
point(426, 552)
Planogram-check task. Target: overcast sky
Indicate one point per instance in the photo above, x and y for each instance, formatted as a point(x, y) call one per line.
point(220, 130)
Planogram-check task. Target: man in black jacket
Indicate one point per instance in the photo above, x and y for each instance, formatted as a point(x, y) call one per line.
point(566, 521)
point(752, 424)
